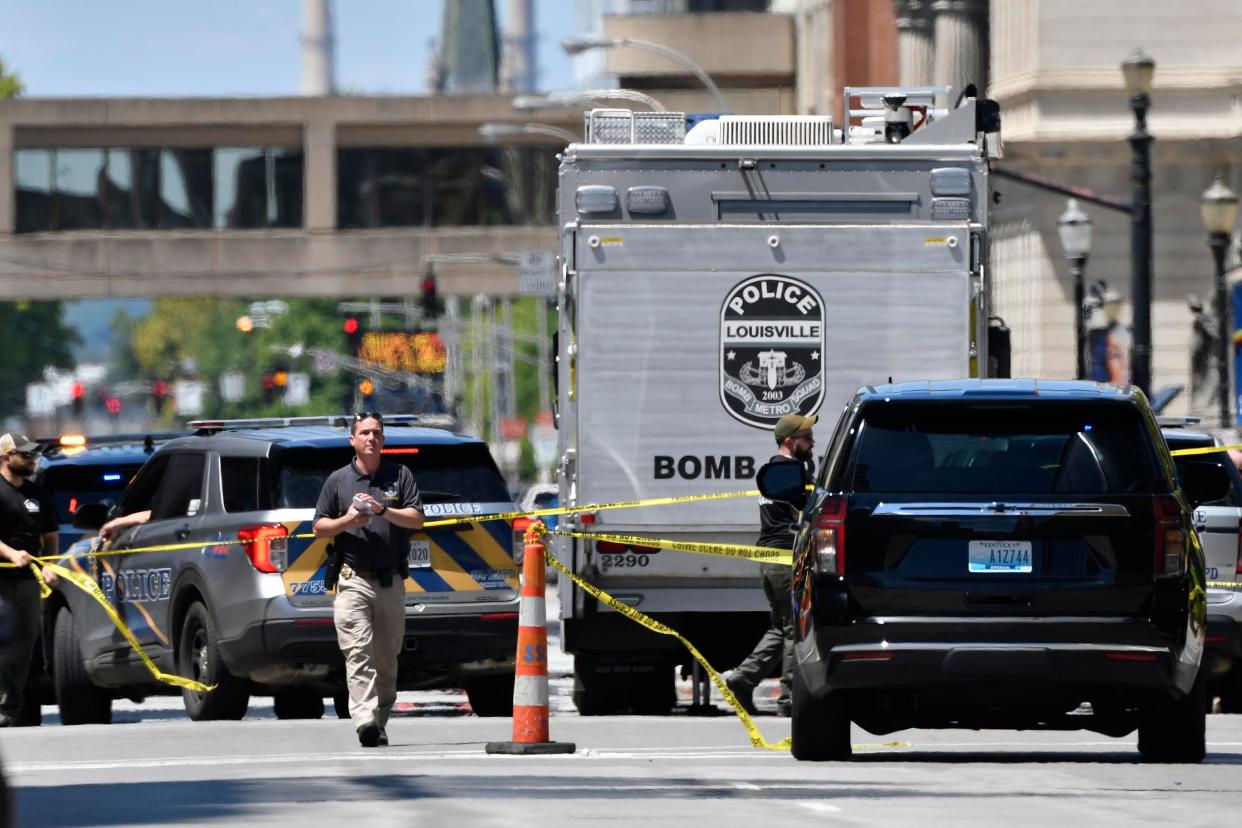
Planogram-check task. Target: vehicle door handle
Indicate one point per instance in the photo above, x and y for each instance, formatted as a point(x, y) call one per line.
point(182, 533)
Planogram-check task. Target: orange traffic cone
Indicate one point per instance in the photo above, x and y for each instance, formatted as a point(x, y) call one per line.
point(530, 686)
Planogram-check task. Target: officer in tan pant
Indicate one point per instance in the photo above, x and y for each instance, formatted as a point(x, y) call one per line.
point(368, 508)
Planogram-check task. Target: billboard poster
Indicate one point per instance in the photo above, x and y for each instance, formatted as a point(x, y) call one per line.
point(1108, 354)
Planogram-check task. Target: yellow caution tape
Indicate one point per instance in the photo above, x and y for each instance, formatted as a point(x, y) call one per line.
point(756, 737)
point(92, 589)
point(761, 554)
point(1208, 450)
point(592, 507)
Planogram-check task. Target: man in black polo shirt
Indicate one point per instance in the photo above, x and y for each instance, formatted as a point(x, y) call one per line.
point(368, 508)
point(28, 528)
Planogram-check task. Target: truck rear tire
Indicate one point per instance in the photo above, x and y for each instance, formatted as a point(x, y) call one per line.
point(491, 696)
point(1174, 732)
point(298, 703)
point(198, 657)
point(819, 728)
point(80, 701)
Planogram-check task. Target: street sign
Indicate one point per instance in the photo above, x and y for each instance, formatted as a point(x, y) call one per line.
point(513, 428)
point(189, 397)
point(232, 386)
point(537, 273)
point(40, 400)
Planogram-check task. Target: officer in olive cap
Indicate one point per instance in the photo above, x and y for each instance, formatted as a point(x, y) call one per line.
point(777, 521)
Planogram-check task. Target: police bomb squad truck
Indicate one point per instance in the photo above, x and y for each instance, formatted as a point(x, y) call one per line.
point(717, 274)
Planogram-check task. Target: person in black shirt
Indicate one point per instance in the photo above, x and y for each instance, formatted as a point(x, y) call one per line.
point(28, 529)
point(777, 521)
point(368, 508)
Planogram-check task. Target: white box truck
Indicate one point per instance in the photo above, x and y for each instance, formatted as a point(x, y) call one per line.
point(717, 274)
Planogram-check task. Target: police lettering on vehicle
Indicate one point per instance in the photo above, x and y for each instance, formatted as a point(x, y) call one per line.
point(137, 586)
point(771, 349)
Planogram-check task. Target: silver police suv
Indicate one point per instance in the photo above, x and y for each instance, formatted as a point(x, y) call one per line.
point(254, 618)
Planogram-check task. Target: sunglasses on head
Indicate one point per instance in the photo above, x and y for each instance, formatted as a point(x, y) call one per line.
point(368, 415)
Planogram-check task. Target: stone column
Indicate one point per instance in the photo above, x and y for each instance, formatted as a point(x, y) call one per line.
point(961, 44)
point(914, 42)
point(319, 160)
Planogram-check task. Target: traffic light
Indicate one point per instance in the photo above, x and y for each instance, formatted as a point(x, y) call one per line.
point(78, 392)
point(431, 303)
point(159, 393)
point(353, 336)
point(366, 388)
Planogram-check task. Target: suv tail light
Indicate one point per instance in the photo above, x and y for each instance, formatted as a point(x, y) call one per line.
point(266, 545)
point(1170, 543)
point(830, 537)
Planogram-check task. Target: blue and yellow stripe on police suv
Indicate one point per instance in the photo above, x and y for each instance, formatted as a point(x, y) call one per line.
point(473, 563)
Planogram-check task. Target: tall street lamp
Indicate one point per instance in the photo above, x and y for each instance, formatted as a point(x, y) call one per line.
point(1074, 227)
point(525, 103)
point(1139, 69)
point(1219, 206)
point(497, 130)
point(578, 45)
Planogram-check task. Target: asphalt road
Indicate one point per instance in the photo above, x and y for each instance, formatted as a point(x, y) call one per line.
point(670, 770)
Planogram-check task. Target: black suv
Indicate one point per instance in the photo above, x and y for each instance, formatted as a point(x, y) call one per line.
point(996, 554)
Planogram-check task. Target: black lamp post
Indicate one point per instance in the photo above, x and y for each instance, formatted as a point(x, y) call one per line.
point(1220, 211)
point(1139, 70)
point(1074, 228)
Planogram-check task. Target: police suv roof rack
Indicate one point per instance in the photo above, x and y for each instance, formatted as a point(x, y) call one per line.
point(203, 427)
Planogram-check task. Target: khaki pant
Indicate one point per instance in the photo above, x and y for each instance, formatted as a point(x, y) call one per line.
point(370, 629)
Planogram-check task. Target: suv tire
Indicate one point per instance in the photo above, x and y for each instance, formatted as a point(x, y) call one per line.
point(819, 728)
point(299, 703)
point(1174, 732)
point(80, 701)
point(198, 657)
point(491, 696)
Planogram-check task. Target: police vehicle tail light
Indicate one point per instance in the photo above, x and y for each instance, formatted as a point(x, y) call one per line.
point(1170, 549)
point(266, 545)
point(830, 538)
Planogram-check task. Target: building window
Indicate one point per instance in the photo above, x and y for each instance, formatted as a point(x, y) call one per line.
point(139, 189)
point(257, 187)
point(32, 174)
point(445, 187)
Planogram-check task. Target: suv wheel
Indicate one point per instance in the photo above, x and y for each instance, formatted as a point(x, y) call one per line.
point(820, 728)
point(1174, 731)
point(198, 657)
point(299, 703)
point(491, 696)
point(81, 702)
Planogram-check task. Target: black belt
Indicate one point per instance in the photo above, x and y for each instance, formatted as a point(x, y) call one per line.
point(374, 574)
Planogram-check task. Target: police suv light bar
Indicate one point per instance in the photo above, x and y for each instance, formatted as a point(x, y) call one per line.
point(337, 420)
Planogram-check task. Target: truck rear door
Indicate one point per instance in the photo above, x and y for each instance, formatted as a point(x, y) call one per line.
point(693, 341)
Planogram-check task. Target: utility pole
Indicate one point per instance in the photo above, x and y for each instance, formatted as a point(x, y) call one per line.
point(541, 339)
point(506, 333)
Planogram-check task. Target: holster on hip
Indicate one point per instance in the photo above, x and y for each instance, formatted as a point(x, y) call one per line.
point(333, 574)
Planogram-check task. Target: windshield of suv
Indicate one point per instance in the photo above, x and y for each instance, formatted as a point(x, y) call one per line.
point(74, 486)
point(462, 473)
point(1004, 448)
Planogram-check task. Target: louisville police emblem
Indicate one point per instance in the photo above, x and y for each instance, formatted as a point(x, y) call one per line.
point(771, 349)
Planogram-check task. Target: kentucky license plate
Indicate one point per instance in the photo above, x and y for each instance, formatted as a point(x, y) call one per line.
point(420, 554)
point(1000, 556)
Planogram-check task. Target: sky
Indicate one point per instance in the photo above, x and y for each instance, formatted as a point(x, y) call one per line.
point(159, 48)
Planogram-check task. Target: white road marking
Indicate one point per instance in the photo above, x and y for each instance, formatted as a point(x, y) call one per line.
point(822, 807)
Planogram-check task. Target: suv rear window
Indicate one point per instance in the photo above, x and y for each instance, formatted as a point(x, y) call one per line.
point(463, 473)
point(74, 486)
point(1004, 448)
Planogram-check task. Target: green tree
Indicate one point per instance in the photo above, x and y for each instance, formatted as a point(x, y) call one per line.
point(10, 82)
point(35, 338)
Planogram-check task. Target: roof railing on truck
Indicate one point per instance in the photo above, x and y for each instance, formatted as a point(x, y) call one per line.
point(203, 427)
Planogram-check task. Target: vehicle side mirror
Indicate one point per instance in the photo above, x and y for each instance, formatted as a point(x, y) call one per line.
point(1205, 483)
point(91, 515)
point(780, 481)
